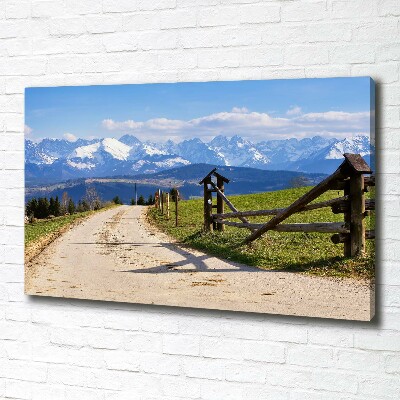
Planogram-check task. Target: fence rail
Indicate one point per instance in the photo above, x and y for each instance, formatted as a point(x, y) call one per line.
point(349, 177)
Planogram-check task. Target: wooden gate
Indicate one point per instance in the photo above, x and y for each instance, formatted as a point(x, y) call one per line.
point(349, 177)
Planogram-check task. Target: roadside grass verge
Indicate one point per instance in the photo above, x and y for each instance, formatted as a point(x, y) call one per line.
point(311, 253)
point(41, 233)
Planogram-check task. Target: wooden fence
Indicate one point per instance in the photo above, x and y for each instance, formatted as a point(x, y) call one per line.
point(162, 203)
point(349, 177)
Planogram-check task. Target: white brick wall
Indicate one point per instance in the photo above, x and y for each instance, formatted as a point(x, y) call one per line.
point(61, 349)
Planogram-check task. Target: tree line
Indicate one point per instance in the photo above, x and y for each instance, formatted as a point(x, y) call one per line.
point(142, 202)
point(43, 207)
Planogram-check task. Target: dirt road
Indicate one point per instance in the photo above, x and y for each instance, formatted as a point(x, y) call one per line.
point(115, 255)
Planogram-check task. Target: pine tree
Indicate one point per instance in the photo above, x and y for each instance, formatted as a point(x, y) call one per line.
point(71, 206)
point(173, 192)
point(43, 208)
point(79, 207)
point(57, 207)
point(31, 207)
point(141, 201)
point(52, 209)
point(85, 206)
point(117, 200)
point(150, 201)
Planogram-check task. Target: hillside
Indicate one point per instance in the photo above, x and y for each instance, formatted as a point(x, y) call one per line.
point(312, 253)
point(242, 181)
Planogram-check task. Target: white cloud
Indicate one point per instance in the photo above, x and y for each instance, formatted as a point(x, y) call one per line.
point(240, 110)
point(294, 110)
point(70, 137)
point(255, 126)
point(27, 130)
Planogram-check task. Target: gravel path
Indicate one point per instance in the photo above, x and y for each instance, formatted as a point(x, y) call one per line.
point(116, 256)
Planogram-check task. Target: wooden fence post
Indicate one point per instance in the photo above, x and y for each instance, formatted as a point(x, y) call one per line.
point(347, 220)
point(208, 222)
point(357, 215)
point(167, 203)
point(176, 206)
point(162, 202)
point(220, 202)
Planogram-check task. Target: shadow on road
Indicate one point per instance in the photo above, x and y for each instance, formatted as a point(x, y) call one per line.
point(188, 263)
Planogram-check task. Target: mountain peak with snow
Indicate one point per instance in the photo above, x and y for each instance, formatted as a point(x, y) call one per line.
point(128, 155)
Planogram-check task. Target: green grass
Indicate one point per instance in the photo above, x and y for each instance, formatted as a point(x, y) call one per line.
point(312, 253)
point(37, 231)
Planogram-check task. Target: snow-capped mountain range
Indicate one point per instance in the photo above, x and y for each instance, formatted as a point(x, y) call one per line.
point(56, 159)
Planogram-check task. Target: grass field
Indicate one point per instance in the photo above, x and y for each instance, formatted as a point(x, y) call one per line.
point(312, 253)
point(38, 232)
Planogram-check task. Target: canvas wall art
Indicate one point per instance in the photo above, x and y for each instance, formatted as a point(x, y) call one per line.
point(253, 196)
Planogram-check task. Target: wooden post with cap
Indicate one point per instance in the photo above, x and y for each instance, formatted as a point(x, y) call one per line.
point(356, 167)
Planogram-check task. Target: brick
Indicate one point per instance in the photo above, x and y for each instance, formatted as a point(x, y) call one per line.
point(179, 387)
point(313, 379)
point(140, 21)
point(120, 42)
point(156, 4)
point(47, 8)
point(356, 360)
point(260, 57)
point(310, 11)
point(331, 337)
point(106, 339)
point(143, 341)
point(310, 356)
point(378, 341)
point(221, 348)
point(173, 61)
point(103, 23)
point(159, 323)
point(30, 371)
point(245, 372)
point(304, 55)
point(392, 364)
point(18, 9)
point(204, 368)
point(122, 360)
point(66, 26)
point(181, 344)
point(389, 387)
point(263, 351)
point(159, 364)
point(48, 391)
point(353, 53)
point(389, 8)
point(67, 375)
point(84, 7)
point(354, 9)
point(178, 19)
point(376, 32)
point(260, 13)
point(212, 16)
point(18, 389)
point(110, 6)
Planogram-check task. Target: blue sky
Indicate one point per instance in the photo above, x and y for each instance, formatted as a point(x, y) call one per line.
point(257, 110)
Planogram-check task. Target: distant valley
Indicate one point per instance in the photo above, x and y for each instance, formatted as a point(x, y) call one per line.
point(242, 180)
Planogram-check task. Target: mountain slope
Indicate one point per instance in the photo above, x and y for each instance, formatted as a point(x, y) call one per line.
point(242, 180)
point(54, 160)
